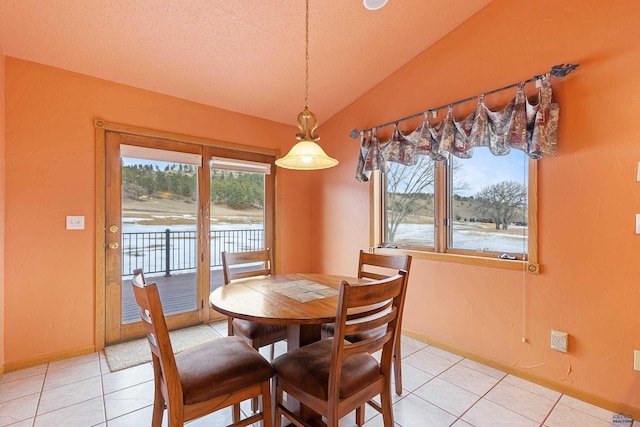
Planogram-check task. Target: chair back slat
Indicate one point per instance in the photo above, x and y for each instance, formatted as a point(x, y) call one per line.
point(230, 259)
point(370, 345)
point(366, 324)
point(377, 267)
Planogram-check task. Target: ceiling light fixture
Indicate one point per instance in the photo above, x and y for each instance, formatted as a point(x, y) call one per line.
point(374, 4)
point(306, 154)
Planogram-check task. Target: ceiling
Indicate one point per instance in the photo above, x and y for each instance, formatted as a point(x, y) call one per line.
point(239, 55)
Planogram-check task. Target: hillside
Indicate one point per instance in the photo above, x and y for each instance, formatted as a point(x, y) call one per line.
point(166, 211)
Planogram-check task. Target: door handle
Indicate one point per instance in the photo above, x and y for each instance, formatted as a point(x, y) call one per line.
point(113, 245)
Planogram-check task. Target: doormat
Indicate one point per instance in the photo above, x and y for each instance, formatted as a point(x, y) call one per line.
point(132, 353)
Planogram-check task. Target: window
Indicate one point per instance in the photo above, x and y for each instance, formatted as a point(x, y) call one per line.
point(479, 207)
point(482, 207)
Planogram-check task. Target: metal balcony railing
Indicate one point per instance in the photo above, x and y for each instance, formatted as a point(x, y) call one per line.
point(168, 251)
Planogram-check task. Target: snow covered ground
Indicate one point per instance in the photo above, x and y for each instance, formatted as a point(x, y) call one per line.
point(466, 235)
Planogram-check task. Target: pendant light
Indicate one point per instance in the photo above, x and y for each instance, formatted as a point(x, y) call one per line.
point(306, 154)
point(374, 4)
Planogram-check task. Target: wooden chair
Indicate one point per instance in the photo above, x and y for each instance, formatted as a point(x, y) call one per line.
point(203, 379)
point(375, 266)
point(334, 376)
point(230, 259)
point(255, 333)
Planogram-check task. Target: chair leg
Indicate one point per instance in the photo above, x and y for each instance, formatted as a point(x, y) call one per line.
point(254, 400)
point(397, 366)
point(360, 416)
point(332, 416)
point(267, 413)
point(273, 351)
point(387, 409)
point(229, 326)
point(158, 409)
point(158, 400)
point(278, 398)
point(176, 416)
point(236, 413)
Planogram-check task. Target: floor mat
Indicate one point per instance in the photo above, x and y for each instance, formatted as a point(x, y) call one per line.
point(132, 353)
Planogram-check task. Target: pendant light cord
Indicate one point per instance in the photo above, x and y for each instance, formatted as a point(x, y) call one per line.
point(306, 57)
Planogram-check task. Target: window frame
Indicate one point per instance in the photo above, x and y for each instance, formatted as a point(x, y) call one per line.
point(440, 252)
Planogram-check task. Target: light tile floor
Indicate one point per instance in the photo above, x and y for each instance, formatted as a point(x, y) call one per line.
point(440, 389)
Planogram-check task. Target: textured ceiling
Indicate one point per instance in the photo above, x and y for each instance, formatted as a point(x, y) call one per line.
point(240, 55)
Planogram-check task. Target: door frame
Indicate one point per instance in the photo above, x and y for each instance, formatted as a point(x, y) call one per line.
point(209, 145)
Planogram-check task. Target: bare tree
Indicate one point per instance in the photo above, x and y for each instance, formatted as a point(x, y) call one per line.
point(407, 190)
point(405, 185)
point(501, 201)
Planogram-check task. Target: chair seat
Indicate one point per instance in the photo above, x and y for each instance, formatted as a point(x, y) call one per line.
point(254, 330)
point(308, 369)
point(329, 328)
point(219, 367)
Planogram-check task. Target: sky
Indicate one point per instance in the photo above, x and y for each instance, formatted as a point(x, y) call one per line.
point(484, 169)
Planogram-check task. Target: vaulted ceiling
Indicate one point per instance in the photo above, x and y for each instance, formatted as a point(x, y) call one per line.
point(240, 55)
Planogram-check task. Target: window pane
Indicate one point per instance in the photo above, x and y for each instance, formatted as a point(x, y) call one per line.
point(410, 204)
point(237, 214)
point(159, 231)
point(488, 209)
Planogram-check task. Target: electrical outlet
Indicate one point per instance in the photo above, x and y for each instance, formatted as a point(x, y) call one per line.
point(75, 222)
point(559, 341)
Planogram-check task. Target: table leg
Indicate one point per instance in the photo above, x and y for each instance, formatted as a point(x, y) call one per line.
point(301, 335)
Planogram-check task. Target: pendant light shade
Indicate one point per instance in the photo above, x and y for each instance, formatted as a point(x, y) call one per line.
point(374, 4)
point(306, 154)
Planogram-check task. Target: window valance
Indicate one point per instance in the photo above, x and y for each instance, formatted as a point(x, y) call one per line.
point(527, 124)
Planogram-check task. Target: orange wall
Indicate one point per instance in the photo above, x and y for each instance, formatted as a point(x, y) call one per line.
point(588, 251)
point(2, 191)
point(590, 256)
point(50, 150)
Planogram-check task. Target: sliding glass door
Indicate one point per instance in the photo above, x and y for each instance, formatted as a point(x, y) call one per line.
point(171, 208)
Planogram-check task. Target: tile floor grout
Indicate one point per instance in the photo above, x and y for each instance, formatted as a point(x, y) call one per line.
point(440, 389)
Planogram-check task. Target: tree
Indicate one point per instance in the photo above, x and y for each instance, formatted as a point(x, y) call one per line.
point(406, 189)
point(403, 183)
point(239, 190)
point(501, 201)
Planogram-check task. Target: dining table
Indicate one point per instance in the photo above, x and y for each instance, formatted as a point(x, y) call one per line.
point(301, 301)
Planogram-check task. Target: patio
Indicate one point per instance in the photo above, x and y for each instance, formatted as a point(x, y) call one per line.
point(177, 293)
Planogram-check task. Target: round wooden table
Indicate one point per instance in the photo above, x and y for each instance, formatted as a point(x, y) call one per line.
point(303, 302)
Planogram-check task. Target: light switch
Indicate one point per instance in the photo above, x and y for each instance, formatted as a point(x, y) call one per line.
point(638, 173)
point(75, 222)
point(637, 223)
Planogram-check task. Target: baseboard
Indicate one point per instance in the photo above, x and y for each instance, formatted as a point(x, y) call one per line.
point(47, 358)
point(1, 371)
point(602, 402)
